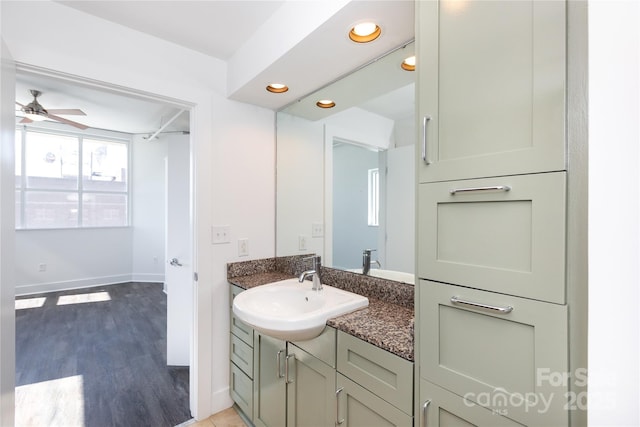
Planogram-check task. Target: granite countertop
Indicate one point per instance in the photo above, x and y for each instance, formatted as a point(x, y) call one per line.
point(384, 324)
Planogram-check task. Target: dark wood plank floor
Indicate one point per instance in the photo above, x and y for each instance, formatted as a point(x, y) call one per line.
point(98, 363)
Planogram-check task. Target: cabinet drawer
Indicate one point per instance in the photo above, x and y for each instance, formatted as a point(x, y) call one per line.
point(492, 358)
point(381, 372)
point(358, 407)
point(509, 240)
point(233, 291)
point(242, 355)
point(241, 390)
point(446, 409)
point(241, 330)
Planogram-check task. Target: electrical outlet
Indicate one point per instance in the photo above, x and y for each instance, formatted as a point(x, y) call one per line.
point(42, 267)
point(220, 234)
point(243, 247)
point(317, 229)
point(302, 242)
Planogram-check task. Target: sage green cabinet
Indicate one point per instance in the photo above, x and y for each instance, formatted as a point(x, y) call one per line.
point(491, 78)
point(269, 387)
point(311, 388)
point(440, 407)
point(503, 234)
point(291, 386)
point(241, 356)
point(499, 351)
point(241, 390)
point(359, 407)
point(383, 373)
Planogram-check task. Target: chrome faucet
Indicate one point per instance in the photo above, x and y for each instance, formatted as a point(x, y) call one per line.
point(366, 261)
point(315, 272)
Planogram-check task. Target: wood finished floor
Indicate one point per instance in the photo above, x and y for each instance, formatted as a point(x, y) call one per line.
point(97, 357)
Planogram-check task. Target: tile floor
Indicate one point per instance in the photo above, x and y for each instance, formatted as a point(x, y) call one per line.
point(227, 418)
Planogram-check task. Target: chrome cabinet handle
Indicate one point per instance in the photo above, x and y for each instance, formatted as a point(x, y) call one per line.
point(425, 406)
point(278, 364)
point(425, 158)
point(338, 420)
point(472, 189)
point(286, 368)
point(500, 310)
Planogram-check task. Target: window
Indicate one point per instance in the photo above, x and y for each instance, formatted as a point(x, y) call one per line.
point(374, 197)
point(70, 181)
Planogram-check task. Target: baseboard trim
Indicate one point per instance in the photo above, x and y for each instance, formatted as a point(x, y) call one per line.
point(91, 282)
point(221, 400)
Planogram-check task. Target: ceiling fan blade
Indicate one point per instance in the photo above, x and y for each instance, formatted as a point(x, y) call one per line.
point(21, 106)
point(68, 111)
point(26, 120)
point(69, 122)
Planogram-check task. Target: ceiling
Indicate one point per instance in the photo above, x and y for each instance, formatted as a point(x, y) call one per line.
point(204, 26)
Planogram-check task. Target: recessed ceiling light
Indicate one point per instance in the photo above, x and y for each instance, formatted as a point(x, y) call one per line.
point(277, 88)
point(326, 103)
point(365, 32)
point(409, 64)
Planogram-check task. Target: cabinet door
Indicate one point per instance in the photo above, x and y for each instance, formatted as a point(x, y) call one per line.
point(499, 351)
point(358, 407)
point(269, 387)
point(509, 239)
point(491, 76)
point(311, 388)
point(445, 409)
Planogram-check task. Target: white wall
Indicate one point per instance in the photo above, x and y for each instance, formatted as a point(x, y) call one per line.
point(300, 162)
point(74, 258)
point(614, 214)
point(233, 150)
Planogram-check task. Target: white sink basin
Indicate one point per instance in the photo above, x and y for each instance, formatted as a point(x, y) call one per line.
point(291, 311)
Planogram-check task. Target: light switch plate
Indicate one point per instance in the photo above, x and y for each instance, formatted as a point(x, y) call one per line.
point(220, 234)
point(317, 229)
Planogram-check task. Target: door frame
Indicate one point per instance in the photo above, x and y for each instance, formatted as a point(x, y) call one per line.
point(200, 379)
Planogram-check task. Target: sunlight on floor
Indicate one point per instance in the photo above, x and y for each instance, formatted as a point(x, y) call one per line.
point(84, 298)
point(21, 304)
point(64, 398)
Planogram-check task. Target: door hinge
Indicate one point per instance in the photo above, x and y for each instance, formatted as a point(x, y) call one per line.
point(195, 276)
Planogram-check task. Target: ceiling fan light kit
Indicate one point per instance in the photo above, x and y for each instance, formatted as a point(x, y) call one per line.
point(33, 111)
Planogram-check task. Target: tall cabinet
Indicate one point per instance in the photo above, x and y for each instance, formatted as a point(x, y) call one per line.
point(491, 306)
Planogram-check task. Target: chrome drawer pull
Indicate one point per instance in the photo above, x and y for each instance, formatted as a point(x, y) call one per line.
point(286, 368)
point(279, 363)
point(472, 189)
point(501, 310)
point(425, 406)
point(425, 159)
point(338, 419)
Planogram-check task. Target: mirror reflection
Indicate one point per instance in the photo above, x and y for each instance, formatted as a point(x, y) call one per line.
point(345, 175)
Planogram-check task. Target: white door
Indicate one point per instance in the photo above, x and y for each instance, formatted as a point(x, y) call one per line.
point(179, 279)
point(7, 236)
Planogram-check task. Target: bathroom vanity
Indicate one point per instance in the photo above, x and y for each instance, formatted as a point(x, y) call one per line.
point(359, 369)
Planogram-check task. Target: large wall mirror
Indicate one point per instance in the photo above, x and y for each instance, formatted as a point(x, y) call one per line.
point(345, 175)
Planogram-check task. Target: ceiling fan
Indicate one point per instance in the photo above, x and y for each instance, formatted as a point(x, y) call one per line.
point(33, 111)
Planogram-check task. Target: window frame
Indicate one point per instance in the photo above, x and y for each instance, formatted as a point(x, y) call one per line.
point(100, 135)
point(373, 197)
